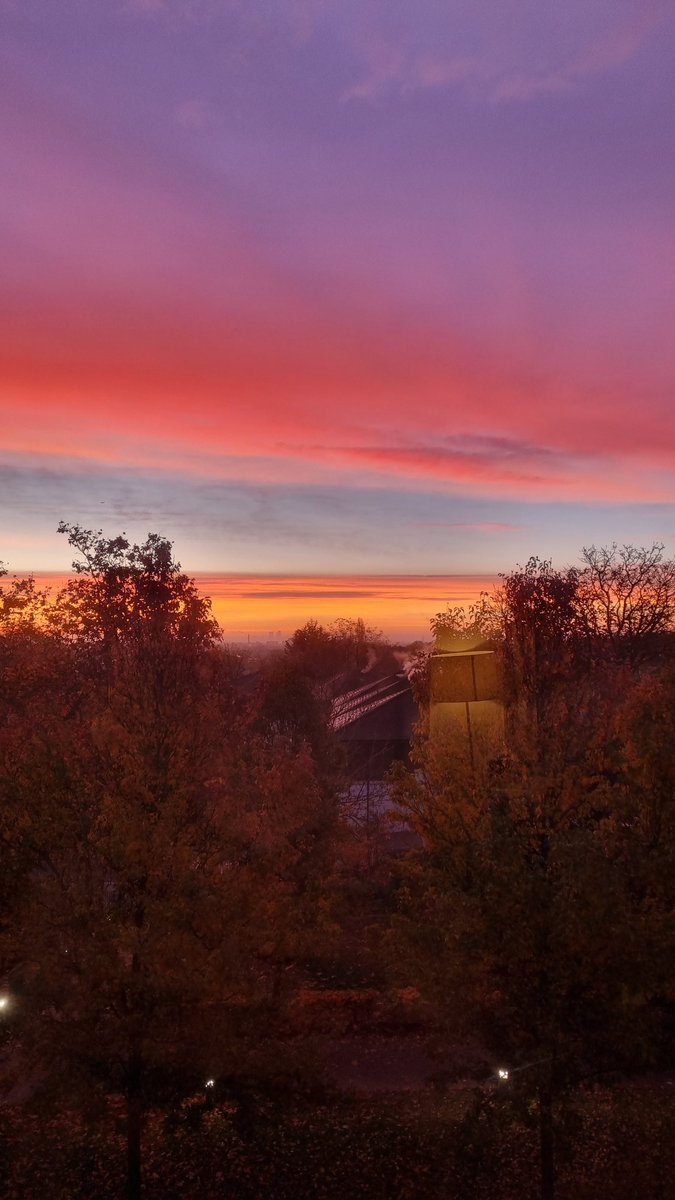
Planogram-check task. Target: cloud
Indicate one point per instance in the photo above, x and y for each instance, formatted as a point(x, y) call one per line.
point(251, 605)
point(151, 324)
point(600, 456)
point(607, 53)
point(455, 464)
point(495, 50)
point(401, 605)
point(517, 54)
point(301, 593)
point(391, 69)
point(535, 473)
point(480, 526)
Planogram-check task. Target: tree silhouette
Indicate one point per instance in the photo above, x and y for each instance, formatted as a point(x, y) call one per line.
point(167, 843)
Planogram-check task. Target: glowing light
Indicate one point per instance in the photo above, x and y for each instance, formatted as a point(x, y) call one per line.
point(257, 605)
point(210, 1083)
point(503, 1074)
point(4, 1001)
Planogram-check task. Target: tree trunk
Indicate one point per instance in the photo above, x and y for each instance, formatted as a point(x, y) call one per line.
point(546, 1145)
point(134, 1127)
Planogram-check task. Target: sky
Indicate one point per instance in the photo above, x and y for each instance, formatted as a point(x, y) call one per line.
point(337, 288)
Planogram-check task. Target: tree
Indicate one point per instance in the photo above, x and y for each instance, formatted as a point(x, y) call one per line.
point(334, 657)
point(291, 715)
point(21, 603)
point(551, 621)
point(28, 658)
point(521, 919)
point(318, 654)
point(419, 677)
point(626, 597)
point(538, 617)
point(131, 593)
point(165, 843)
point(647, 729)
point(479, 620)
point(356, 639)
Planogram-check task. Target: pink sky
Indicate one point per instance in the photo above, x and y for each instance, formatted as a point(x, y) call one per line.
point(338, 288)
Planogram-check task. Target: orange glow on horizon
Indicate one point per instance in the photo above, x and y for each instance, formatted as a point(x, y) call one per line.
point(259, 605)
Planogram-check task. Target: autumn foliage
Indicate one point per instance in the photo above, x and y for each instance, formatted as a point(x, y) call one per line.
point(185, 945)
point(159, 851)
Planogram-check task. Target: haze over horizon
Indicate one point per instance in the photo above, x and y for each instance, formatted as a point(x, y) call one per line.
point(329, 288)
point(264, 607)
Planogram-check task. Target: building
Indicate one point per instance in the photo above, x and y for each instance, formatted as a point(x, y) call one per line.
point(465, 692)
point(375, 724)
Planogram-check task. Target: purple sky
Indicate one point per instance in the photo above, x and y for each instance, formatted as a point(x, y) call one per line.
point(337, 286)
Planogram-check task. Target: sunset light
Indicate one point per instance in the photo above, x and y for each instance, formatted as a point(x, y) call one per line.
point(337, 599)
point(336, 291)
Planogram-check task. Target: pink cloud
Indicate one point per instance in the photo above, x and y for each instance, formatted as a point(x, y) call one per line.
point(503, 67)
point(606, 53)
point(158, 333)
point(480, 526)
point(314, 398)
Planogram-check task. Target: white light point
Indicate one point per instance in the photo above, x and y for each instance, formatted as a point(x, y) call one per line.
point(503, 1074)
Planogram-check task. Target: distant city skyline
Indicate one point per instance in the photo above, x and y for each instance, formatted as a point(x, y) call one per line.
point(337, 287)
